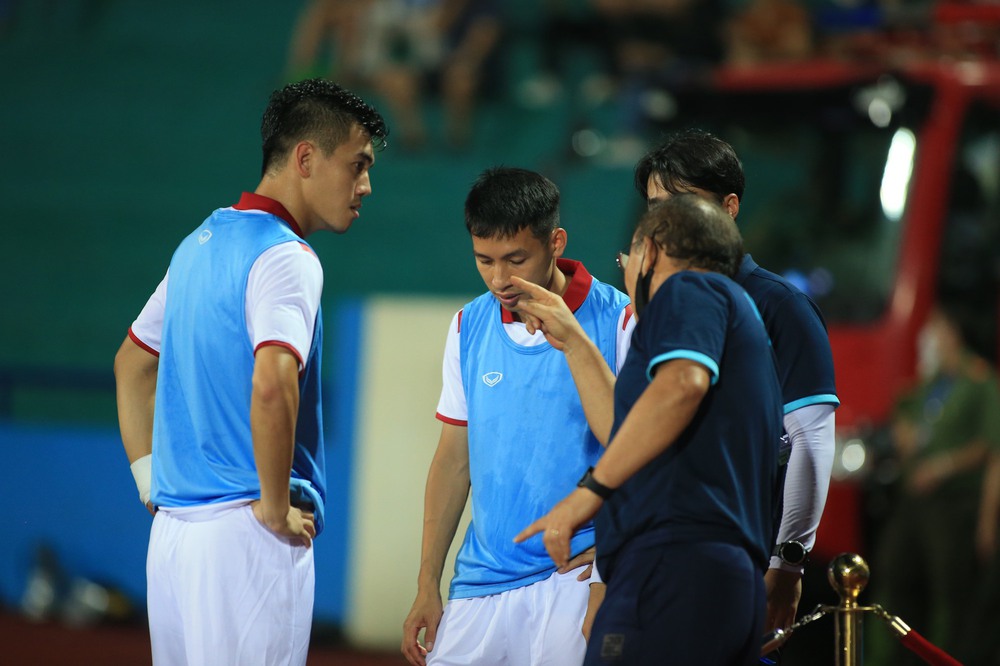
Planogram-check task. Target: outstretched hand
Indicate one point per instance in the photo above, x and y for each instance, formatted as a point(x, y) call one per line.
point(546, 312)
point(559, 524)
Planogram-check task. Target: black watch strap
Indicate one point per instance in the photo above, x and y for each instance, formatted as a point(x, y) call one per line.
point(593, 485)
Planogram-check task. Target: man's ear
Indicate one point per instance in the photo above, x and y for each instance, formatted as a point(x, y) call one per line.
point(303, 155)
point(557, 242)
point(650, 253)
point(731, 203)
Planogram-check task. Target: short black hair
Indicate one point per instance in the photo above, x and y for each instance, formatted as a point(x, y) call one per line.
point(692, 158)
point(315, 109)
point(505, 200)
point(694, 231)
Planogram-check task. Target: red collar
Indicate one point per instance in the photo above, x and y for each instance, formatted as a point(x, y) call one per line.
point(576, 291)
point(253, 201)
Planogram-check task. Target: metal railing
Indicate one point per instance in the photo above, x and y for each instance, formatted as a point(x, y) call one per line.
point(848, 574)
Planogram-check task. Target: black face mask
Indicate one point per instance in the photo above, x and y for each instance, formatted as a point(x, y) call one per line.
point(642, 285)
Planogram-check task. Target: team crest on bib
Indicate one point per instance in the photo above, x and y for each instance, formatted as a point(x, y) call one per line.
point(204, 236)
point(492, 378)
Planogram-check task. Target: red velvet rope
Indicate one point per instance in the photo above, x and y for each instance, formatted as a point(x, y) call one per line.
point(927, 651)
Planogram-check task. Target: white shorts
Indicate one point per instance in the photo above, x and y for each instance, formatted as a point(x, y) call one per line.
point(536, 625)
point(223, 589)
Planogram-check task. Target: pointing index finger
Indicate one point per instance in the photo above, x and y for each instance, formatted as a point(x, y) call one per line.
point(529, 531)
point(535, 290)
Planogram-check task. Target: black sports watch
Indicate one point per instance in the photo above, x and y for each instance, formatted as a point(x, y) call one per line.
point(792, 553)
point(593, 485)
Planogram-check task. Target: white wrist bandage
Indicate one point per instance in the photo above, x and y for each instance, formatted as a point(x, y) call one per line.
point(142, 472)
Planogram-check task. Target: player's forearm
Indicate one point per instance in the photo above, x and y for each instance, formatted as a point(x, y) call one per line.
point(274, 406)
point(595, 383)
point(135, 390)
point(443, 505)
point(444, 501)
point(807, 480)
point(657, 419)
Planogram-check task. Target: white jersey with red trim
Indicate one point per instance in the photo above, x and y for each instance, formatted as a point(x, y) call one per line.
point(282, 299)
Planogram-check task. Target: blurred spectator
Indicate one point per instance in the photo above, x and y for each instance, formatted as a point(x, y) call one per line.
point(633, 40)
point(444, 45)
point(942, 431)
point(333, 26)
point(643, 49)
point(653, 34)
point(769, 31)
point(899, 31)
point(982, 640)
point(660, 45)
point(472, 30)
point(967, 30)
point(851, 29)
point(567, 28)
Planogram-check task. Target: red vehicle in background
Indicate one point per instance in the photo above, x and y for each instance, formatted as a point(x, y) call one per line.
point(876, 189)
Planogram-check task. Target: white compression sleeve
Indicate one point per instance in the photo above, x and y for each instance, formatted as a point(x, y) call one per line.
point(807, 481)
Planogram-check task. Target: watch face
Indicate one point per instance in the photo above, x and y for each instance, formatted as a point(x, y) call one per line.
point(792, 552)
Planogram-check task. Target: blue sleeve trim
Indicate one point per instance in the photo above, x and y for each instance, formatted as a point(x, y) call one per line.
point(697, 357)
point(824, 399)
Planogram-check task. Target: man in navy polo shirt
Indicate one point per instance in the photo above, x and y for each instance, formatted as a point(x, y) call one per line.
point(697, 162)
point(684, 495)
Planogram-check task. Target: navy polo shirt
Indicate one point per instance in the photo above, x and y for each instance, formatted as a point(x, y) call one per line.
point(717, 481)
point(798, 333)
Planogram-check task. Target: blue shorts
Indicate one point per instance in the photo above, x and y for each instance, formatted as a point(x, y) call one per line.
point(681, 603)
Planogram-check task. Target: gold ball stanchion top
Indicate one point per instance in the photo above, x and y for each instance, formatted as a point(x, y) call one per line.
point(848, 574)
